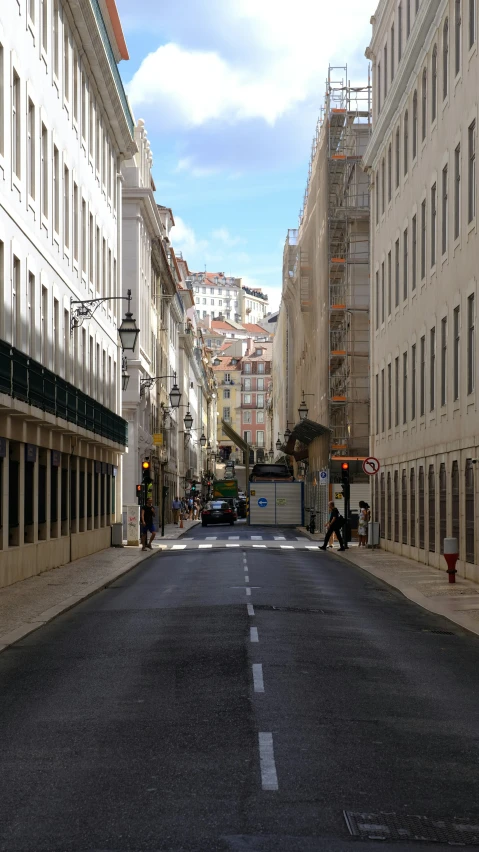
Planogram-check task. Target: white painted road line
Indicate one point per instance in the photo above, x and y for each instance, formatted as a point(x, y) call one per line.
point(280, 538)
point(256, 538)
point(211, 537)
point(246, 578)
point(250, 609)
point(232, 545)
point(248, 591)
point(259, 545)
point(287, 546)
point(205, 545)
point(179, 547)
point(246, 568)
point(253, 634)
point(258, 677)
point(269, 778)
point(232, 537)
point(312, 547)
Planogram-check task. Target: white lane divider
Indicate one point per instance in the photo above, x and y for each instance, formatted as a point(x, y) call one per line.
point(256, 538)
point(211, 537)
point(258, 681)
point(204, 545)
point(233, 537)
point(232, 545)
point(246, 579)
point(259, 545)
point(312, 547)
point(269, 778)
point(253, 634)
point(286, 546)
point(280, 538)
point(250, 609)
point(179, 547)
point(248, 591)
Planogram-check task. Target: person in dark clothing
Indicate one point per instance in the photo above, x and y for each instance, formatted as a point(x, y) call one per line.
point(334, 526)
point(147, 525)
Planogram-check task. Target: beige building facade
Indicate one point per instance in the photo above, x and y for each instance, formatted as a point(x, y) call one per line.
point(424, 245)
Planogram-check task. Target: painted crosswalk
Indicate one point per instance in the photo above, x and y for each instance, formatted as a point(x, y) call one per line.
point(217, 543)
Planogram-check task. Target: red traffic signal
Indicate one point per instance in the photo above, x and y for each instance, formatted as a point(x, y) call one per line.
point(345, 466)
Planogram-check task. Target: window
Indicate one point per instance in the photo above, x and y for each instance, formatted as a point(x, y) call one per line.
point(396, 276)
point(226, 414)
point(75, 85)
point(472, 24)
point(396, 505)
point(423, 105)
point(471, 172)
point(388, 502)
point(405, 246)
point(16, 285)
point(377, 299)
point(247, 399)
point(456, 527)
point(44, 21)
point(385, 60)
point(443, 360)
point(31, 148)
point(379, 88)
point(423, 240)
point(246, 416)
point(382, 400)
point(408, 18)
point(44, 172)
point(390, 172)
point(399, 32)
point(56, 189)
point(226, 394)
point(260, 439)
point(227, 377)
point(91, 254)
point(83, 237)
point(456, 353)
point(376, 382)
point(2, 102)
point(55, 28)
point(247, 384)
point(31, 314)
point(457, 191)
point(390, 391)
point(396, 391)
point(260, 368)
point(457, 36)
point(433, 224)
point(412, 505)
point(260, 416)
point(75, 221)
point(406, 141)
point(432, 369)
point(382, 292)
point(421, 507)
point(434, 85)
point(66, 206)
point(422, 376)
point(55, 334)
point(414, 252)
point(413, 382)
point(445, 59)
point(442, 506)
point(212, 301)
point(377, 197)
point(259, 400)
point(383, 185)
point(404, 387)
point(389, 283)
point(469, 515)
point(260, 384)
point(247, 367)
point(66, 63)
point(247, 436)
point(444, 212)
point(44, 327)
point(431, 488)
point(392, 52)
point(414, 126)
point(471, 344)
point(398, 152)
point(404, 506)
point(16, 125)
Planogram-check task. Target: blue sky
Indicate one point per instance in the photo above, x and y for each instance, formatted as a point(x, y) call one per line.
point(230, 91)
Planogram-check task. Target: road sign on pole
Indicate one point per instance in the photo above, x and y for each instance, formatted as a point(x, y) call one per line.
point(371, 466)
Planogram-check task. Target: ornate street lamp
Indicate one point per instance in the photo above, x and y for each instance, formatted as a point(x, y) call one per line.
point(278, 443)
point(203, 440)
point(188, 419)
point(303, 408)
point(128, 331)
point(175, 395)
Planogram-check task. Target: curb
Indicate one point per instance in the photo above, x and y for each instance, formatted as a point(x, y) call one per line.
point(50, 614)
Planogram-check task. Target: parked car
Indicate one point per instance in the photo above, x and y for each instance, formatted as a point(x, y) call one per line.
point(217, 512)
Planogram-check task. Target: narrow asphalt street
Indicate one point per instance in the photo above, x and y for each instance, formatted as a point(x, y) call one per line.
point(242, 700)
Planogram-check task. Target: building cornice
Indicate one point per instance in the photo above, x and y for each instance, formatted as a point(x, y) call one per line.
point(144, 196)
point(419, 38)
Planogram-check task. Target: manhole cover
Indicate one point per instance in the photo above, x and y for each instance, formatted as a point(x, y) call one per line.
point(381, 826)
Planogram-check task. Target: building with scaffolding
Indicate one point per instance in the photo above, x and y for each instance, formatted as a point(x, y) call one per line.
point(322, 341)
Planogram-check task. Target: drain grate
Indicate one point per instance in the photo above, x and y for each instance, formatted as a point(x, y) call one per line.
point(381, 826)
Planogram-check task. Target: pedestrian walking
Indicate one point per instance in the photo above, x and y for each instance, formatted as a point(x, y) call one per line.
point(147, 524)
point(334, 526)
point(176, 507)
point(363, 523)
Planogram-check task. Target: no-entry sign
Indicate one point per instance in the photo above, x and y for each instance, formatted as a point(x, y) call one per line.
point(371, 466)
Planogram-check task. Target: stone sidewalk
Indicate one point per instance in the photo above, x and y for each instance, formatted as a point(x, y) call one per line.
point(27, 605)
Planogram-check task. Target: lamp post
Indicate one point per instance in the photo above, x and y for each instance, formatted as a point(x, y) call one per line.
point(175, 393)
point(303, 409)
point(279, 443)
point(128, 330)
point(287, 432)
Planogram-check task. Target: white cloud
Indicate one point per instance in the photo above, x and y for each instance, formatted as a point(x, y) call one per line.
point(279, 62)
point(184, 239)
point(223, 235)
point(186, 164)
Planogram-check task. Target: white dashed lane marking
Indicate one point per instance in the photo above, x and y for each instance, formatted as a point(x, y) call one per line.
point(250, 609)
point(205, 545)
point(248, 591)
point(280, 538)
point(210, 537)
point(287, 546)
point(253, 634)
point(269, 777)
point(256, 538)
point(179, 547)
point(258, 681)
point(233, 537)
point(246, 579)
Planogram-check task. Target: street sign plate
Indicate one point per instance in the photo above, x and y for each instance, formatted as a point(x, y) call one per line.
point(262, 502)
point(371, 466)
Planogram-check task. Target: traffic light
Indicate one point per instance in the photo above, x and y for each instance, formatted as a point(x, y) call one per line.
point(193, 487)
point(145, 466)
point(345, 478)
point(141, 494)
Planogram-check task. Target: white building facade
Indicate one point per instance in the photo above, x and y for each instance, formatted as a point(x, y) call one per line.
point(422, 162)
point(65, 127)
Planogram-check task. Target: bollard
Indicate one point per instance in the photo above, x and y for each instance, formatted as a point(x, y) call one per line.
point(451, 555)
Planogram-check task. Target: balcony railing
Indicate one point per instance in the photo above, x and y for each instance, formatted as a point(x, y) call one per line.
point(25, 379)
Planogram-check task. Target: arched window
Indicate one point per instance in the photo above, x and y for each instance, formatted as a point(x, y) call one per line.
point(421, 506)
point(457, 36)
point(432, 509)
point(406, 141)
point(442, 506)
point(445, 59)
point(412, 504)
point(434, 85)
point(404, 506)
point(414, 125)
point(469, 514)
point(423, 105)
point(396, 506)
point(456, 528)
point(388, 507)
point(382, 517)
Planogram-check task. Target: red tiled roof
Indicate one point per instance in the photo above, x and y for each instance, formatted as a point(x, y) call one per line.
point(255, 328)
